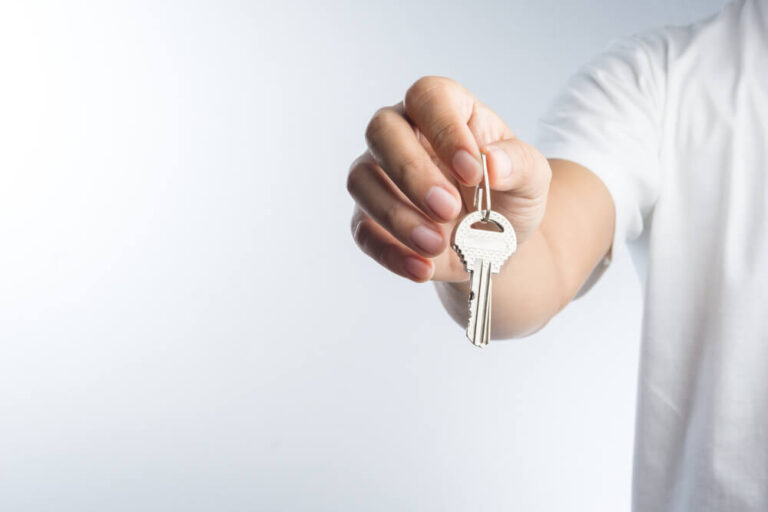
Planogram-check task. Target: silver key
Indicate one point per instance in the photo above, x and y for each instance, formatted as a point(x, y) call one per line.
point(483, 253)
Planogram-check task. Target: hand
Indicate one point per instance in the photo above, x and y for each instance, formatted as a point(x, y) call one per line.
point(417, 178)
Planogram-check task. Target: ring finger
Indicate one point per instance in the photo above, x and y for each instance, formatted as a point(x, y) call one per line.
point(375, 193)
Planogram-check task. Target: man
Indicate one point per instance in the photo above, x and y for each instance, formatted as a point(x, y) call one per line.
point(661, 141)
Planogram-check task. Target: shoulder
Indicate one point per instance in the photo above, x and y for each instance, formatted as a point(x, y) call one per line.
point(660, 48)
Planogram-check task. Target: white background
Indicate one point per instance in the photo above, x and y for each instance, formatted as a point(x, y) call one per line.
point(185, 322)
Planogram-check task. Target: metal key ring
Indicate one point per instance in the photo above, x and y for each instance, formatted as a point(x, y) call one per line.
point(479, 192)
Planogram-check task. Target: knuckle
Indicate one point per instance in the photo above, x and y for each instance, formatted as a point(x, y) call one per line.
point(424, 88)
point(364, 238)
point(532, 162)
point(539, 159)
point(417, 88)
point(391, 217)
point(360, 233)
point(379, 122)
point(533, 169)
point(530, 155)
point(407, 170)
point(354, 178)
point(522, 160)
point(443, 136)
point(359, 175)
point(357, 219)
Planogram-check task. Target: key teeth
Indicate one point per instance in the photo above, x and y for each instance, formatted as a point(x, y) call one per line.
point(462, 257)
point(470, 303)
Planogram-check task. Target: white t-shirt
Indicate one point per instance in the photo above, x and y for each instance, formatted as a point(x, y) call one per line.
point(675, 122)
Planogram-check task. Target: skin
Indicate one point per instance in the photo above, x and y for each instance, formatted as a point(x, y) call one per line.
point(431, 142)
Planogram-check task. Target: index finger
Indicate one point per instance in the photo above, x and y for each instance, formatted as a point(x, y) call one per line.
point(441, 109)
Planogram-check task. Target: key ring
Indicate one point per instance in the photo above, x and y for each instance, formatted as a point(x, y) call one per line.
point(479, 192)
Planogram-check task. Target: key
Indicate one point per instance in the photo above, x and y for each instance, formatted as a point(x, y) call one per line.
point(483, 253)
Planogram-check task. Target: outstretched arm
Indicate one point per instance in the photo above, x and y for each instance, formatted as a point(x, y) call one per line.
point(417, 176)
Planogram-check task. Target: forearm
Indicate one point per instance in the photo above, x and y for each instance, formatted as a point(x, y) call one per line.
point(548, 269)
point(527, 292)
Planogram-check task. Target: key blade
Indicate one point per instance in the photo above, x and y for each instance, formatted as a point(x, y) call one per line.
point(481, 327)
point(477, 331)
point(488, 308)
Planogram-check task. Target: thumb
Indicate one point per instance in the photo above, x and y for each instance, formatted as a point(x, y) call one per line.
point(515, 166)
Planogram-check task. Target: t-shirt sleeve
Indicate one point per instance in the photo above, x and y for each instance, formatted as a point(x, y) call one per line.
point(609, 118)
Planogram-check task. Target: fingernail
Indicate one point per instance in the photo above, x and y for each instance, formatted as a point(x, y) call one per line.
point(466, 166)
point(427, 240)
point(417, 268)
point(502, 164)
point(442, 203)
